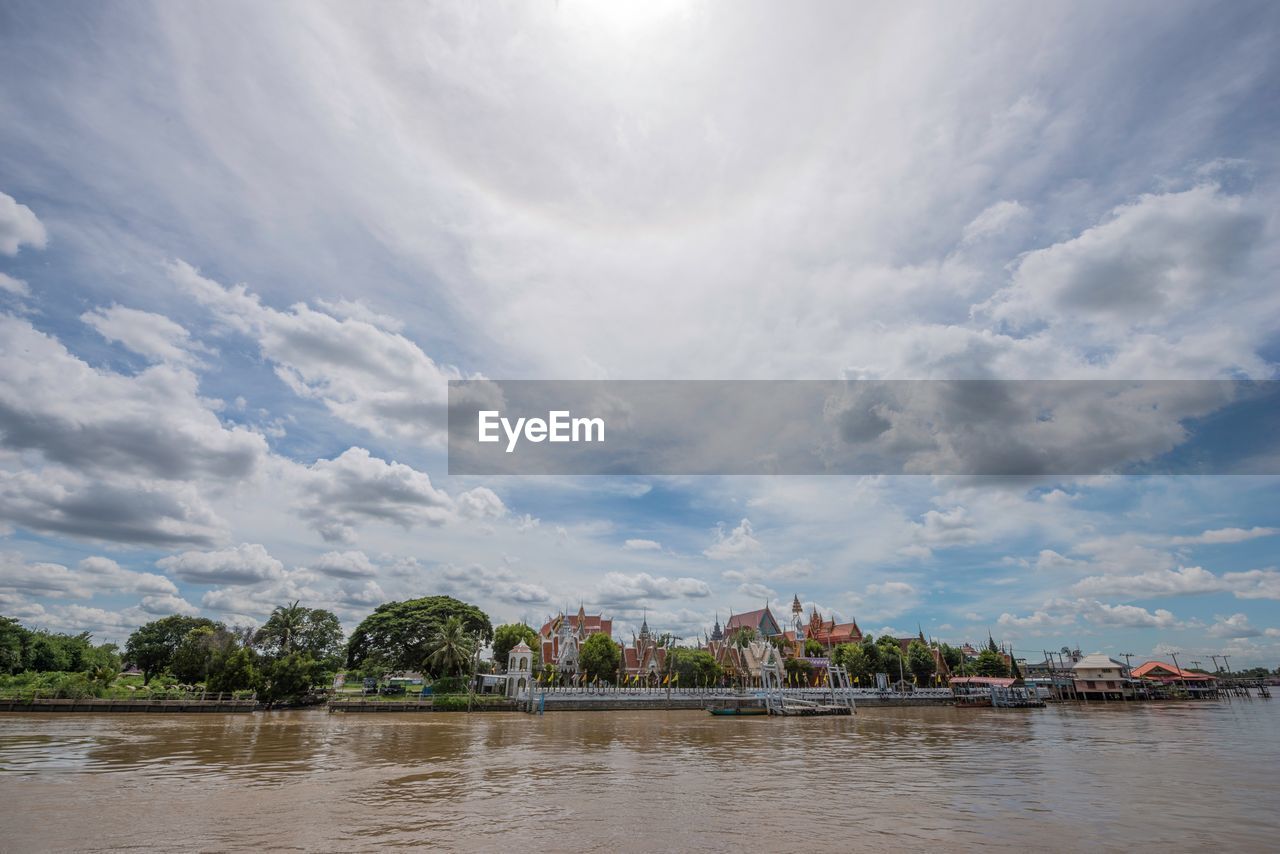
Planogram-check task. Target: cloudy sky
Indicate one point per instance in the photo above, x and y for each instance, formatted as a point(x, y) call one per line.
point(243, 248)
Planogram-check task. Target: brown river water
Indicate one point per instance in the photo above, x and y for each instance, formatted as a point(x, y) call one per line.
point(1178, 776)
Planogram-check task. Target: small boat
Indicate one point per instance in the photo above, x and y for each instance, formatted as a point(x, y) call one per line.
point(736, 706)
point(758, 710)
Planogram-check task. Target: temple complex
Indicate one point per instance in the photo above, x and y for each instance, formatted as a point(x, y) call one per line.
point(562, 636)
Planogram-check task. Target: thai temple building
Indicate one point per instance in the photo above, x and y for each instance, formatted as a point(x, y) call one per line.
point(561, 637)
point(829, 633)
point(762, 622)
point(745, 662)
point(644, 657)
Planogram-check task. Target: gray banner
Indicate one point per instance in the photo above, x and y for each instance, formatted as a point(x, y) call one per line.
point(951, 427)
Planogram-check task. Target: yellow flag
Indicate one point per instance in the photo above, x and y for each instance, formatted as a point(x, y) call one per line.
point(666, 679)
point(676, 677)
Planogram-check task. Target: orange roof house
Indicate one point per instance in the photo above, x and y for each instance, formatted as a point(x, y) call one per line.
point(1167, 673)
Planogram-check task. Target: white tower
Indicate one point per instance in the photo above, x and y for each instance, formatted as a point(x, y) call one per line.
point(519, 670)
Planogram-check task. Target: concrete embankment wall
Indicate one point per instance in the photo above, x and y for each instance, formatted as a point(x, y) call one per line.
point(124, 706)
point(614, 704)
point(368, 708)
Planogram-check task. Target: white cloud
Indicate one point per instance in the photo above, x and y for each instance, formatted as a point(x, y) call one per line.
point(1254, 583)
point(14, 286)
point(336, 496)
point(1234, 626)
point(736, 543)
point(163, 605)
point(19, 227)
point(153, 424)
point(1162, 255)
point(887, 599)
point(1035, 623)
point(152, 335)
point(244, 564)
point(1226, 535)
point(47, 579)
point(350, 564)
point(56, 500)
point(1127, 616)
point(619, 587)
point(993, 220)
point(366, 375)
point(480, 503)
point(501, 584)
point(1157, 582)
point(642, 545)
point(104, 574)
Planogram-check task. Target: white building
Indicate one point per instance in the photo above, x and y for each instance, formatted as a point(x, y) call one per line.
point(1100, 677)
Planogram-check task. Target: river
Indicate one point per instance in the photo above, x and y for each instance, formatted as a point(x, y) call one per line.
point(1102, 777)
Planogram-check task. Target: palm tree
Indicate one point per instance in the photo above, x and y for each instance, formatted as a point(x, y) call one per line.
point(450, 647)
point(284, 626)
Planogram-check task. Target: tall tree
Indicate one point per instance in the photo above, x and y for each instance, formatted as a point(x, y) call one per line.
point(693, 666)
point(507, 637)
point(150, 648)
point(397, 635)
point(854, 659)
point(295, 628)
point(14, 640)
point(451, 648)
point(599, 657)
point(990, 663)
point(920, 661)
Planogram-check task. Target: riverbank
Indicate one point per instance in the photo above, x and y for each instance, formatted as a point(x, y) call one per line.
point(64, 706)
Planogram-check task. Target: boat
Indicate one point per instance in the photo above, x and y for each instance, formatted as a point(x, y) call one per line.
point(731, 712)
point(736, 706)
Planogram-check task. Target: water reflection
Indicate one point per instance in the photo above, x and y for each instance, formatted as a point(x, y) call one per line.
point(1056, 779)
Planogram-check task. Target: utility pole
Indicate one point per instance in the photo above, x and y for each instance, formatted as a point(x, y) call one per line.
point(1216, 667)
point(1128, 667)
point(1228, 663)
point(1180, 676)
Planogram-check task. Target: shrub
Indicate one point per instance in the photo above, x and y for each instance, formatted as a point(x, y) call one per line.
point(450, 703)
point(449, 685)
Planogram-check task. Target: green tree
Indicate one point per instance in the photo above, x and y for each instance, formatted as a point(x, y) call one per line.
point(813, 649)
point(150, 648)
point(232, 669)
point(872, 652)
point(990, 663)
point(854, 660)
point(920, 661)
point(397, 635)
point(742, 636)
point(599, 657)
point(14, 640)
point(694, 667)
point(290, 678)
point(506, 638)
point(103, 657)
point(451, 648)
point(953, 657)
point(190, 661)
point(890, 654)
point(295, 628)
